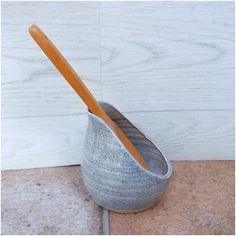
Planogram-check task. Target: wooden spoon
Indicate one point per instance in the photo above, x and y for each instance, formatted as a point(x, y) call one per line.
point(76, 83)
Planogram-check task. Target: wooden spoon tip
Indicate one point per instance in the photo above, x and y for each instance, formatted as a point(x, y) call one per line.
point(33, 28)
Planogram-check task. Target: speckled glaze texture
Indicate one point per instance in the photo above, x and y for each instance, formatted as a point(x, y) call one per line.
point(112, 176)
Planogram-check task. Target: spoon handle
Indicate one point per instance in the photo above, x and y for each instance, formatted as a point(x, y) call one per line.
point(76, 83)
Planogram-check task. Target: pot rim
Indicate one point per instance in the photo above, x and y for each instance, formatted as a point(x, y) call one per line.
point(168, 163)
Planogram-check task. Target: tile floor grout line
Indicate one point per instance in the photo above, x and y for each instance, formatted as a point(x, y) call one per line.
point(105, 222)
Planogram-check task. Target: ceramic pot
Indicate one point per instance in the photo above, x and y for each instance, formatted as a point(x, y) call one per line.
point(114, 179)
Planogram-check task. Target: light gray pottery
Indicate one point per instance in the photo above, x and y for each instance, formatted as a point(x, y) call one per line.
point(114, 179)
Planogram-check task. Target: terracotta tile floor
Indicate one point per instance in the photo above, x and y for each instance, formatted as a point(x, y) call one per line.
point(48, 201)
point(199, 200)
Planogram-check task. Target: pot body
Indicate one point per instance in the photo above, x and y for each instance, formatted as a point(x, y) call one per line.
point(114, 179)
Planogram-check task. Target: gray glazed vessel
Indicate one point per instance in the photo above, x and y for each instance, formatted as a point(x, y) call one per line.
point(114, 179)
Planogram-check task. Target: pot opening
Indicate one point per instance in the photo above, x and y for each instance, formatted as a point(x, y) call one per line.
point(157, 164)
